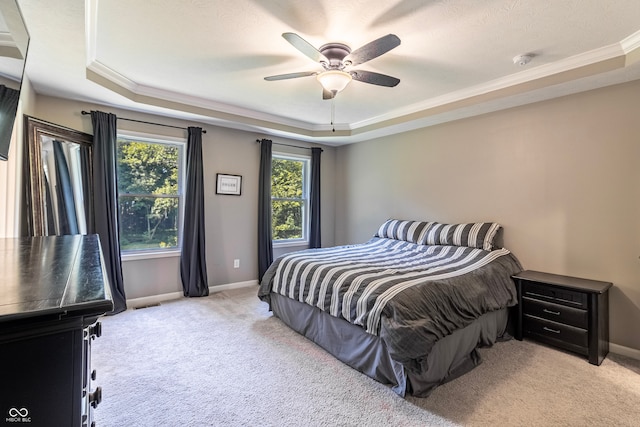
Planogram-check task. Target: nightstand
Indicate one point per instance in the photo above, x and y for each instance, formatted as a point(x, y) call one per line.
point(565, 312)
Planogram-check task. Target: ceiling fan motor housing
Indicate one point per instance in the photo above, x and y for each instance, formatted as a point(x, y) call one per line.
point(335, 53)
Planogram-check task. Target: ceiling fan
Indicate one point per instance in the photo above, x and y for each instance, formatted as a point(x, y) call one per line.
point(336, 58)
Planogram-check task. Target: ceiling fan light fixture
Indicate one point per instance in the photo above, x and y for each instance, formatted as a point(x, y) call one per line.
point(334, 80)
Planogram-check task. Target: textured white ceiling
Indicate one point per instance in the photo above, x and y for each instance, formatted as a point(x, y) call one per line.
point(210, 57)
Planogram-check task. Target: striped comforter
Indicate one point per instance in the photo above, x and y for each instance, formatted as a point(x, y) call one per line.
point(409, 294)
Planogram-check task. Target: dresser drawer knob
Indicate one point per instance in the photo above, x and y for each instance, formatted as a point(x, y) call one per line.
point(96, 397)
point(555, 331)
point(95, 331)
point(556, 313)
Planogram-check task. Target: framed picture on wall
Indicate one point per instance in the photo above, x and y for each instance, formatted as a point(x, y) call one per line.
point(228, 184)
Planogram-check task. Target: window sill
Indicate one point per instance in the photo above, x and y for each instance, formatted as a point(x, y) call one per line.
point(291, 244)
point(135, 256)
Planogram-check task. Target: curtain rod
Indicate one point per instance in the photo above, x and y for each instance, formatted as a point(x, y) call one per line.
point(289, 145)
point(84, 113)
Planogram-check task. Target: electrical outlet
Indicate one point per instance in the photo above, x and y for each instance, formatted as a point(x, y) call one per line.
point(236, 263)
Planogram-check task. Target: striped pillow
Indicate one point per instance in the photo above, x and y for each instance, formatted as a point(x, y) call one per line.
point(410, 231)
point(477, 235)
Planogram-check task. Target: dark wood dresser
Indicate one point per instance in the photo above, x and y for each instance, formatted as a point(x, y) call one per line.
point(52, 292)
point(566, 312)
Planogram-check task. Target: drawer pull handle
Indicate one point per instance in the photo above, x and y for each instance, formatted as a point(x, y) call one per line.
point(555, 331)
point(557, 313)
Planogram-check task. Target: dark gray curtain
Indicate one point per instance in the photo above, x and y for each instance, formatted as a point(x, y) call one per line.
point(64, 190)
point(105, 197)
point(8, 106)
point(193, 260)
point(265, 244)
point(314, 203)
point(87, 193)
point(51, 222)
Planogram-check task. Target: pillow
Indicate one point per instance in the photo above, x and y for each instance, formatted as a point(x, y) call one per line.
point(476, 235)
point(410, 231)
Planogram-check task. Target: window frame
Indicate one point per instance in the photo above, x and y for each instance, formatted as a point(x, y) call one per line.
point(306, 189)
point(149, 253)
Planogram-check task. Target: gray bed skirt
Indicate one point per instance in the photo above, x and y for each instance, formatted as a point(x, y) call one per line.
point(451, 356)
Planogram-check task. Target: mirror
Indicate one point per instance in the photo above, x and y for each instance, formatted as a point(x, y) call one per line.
point(59, 183)
point(14, 41)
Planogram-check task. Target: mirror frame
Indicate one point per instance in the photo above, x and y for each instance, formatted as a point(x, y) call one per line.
point(35, 129)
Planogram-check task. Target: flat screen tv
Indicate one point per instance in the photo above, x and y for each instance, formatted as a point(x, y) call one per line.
point(14, 42)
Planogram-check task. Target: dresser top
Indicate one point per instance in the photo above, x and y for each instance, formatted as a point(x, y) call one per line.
point(593, 286)
point(61, 275)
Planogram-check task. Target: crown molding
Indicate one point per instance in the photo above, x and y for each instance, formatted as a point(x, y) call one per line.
point(528, 76)
point(631, 43)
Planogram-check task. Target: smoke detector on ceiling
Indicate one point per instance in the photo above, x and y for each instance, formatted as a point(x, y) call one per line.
point(522, 60)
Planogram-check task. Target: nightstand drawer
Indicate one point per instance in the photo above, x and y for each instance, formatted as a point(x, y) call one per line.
point(556, 312)
point(554, 294)
point(555, 331)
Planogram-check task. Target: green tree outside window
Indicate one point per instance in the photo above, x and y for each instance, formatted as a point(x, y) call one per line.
point(288, 198)
point(148, 194)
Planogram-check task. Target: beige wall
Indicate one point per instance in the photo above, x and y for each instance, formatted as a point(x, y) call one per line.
point(562, 177)
point(231, 221)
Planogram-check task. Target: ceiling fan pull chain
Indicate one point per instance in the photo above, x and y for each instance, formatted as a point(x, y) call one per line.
point(333, 112)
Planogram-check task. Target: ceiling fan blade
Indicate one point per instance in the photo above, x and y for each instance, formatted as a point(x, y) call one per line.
point(374, 78)
point(372, 50)
point(291, 75)
point(305, 47)
point(327, 94)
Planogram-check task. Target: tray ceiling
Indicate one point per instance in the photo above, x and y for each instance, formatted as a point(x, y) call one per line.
point(206, 61)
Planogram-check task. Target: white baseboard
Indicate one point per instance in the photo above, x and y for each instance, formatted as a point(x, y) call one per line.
point(624, 351)
point(157, 299)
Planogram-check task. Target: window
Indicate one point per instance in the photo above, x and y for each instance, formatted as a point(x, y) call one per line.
point(150, 193)
point(289, 198)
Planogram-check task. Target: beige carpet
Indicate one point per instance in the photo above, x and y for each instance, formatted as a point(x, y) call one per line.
point(224, 360)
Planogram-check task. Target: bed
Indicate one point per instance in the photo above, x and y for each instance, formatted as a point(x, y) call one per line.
point(409, 307)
